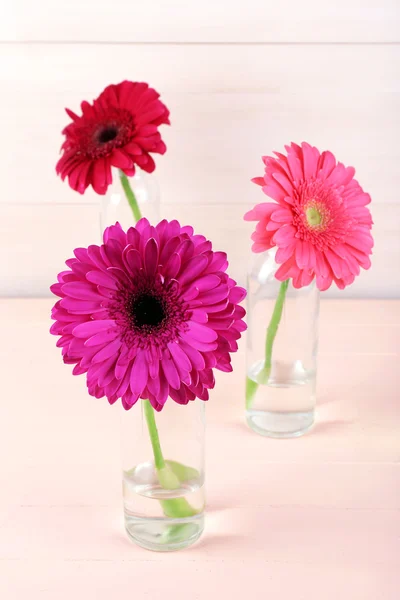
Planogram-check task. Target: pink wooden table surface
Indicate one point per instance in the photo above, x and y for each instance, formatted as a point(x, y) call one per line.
point(316, 518)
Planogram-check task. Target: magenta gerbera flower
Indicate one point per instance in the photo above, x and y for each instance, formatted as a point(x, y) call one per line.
point(120, 129)
point(148, 314)
point(320, 223)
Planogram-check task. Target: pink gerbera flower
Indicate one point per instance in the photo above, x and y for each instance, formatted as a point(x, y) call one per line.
point(319, 223)
point(148, 314)
point(120, 129)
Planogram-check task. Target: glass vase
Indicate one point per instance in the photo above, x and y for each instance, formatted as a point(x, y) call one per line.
point(118, 205)
point(282, 344)
point(163, 474)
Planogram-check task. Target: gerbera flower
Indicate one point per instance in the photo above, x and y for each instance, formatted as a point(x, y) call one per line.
point(319, 223)
point(120, 129)
point(148, 314)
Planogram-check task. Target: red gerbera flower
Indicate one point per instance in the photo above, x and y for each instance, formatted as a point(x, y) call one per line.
point(119, 129)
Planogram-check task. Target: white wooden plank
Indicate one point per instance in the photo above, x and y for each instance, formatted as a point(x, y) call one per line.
point(208, 21)
point(229, 105)
point(36, 239)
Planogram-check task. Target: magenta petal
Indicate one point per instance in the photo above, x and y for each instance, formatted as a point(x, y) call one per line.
point(192, 269)
point(107, 351)
point(199, 344)
point(133, 261)
point(154, 367)
point(139, 374)
point(170, 372)
point(86, 330)
point(151, 256)
point(201, 332)
point(199, 315)
point(180, 357)
point(120, 370)
point(180, 396)
point(103, 337)
point(237, 294)
point(80, 291)
point(219, 262)
point(102, 278)
point(124, 384)
point(214, 296)
point(195, 357)
point(172, 266)
point(208, 282)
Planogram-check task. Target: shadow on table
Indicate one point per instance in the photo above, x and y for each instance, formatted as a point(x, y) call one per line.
point(334, 426)
point(320, 427)
point(326, 399)
point(215, 541)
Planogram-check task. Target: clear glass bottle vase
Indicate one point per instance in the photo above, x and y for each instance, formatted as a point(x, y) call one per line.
point(117, 206)
point(163, 474)
point(282, 344)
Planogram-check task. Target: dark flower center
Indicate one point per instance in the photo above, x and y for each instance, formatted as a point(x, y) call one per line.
point(108, 134)
point(148, 310)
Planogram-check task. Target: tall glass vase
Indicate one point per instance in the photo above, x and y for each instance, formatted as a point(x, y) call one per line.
point(130, 198)
point(282, 343)
point(163, 474)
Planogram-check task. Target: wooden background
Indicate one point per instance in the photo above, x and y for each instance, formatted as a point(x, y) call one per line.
point(240, 79)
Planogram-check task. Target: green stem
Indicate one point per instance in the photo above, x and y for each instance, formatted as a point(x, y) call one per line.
point(153, 432)
point(251, 385)
point(130, 196)
point(273, 326)
point(177, 508)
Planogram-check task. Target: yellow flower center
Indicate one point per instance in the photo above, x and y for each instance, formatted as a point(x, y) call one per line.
point(313, 216)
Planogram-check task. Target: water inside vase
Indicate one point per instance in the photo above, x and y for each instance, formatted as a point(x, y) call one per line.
point(162, 519)
point(284, 404)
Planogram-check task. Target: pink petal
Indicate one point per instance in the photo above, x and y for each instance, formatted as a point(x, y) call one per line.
point(334, 262)
point(327, 163)
point(284, 253)
point(284, 236)
point(302, 254)
point(310, 160)
point(282, 216)
point(284, 182)
point(287, 269)
point(323, 283)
